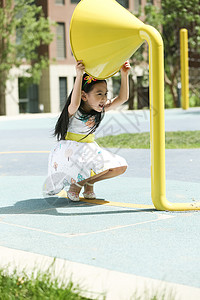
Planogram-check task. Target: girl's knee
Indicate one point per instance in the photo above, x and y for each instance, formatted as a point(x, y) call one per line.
point(119, 170)
point(123, 169)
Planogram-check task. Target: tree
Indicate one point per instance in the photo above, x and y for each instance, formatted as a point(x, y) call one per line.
point(173, 16)
point(23, 30)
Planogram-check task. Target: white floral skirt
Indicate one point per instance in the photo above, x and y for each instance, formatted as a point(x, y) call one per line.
point(71, 162)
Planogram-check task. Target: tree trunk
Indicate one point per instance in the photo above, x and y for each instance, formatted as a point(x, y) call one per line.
point(173, 88)
point(174, 95)
point(2, 100)
point(131, 94)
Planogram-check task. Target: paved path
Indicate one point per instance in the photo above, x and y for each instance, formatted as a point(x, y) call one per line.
point(122, 237)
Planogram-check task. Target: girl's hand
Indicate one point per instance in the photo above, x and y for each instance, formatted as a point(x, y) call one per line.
point(80, 68)
point(126, 67)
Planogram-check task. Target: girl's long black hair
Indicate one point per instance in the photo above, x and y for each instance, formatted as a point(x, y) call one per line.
point(63, 121)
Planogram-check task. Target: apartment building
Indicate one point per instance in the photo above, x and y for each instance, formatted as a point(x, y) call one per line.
point(58, 79)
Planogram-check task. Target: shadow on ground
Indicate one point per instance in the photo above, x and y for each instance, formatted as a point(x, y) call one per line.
point(49, 206)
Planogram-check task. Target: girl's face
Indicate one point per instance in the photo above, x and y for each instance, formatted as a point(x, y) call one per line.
point(96, 98)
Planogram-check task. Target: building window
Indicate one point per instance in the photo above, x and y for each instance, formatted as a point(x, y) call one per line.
point(60, 41)
point(124, 3)
point(63, 91)
point(23, 95)
point(75, 1)
point(19, 53)
point(137, 4)
point(60, 2)
point(28, 96)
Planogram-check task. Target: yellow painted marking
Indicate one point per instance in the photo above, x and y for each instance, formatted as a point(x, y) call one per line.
point(119, 204)
point(63, 194)
point(17, 152)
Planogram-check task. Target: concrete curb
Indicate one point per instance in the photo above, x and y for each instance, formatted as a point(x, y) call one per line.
point(96, 282)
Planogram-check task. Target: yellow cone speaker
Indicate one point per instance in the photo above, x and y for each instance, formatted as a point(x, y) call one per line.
point(104, 35)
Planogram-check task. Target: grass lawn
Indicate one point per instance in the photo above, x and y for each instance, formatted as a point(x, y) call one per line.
point(15, 287)
point(42, 287)
point(173, 140)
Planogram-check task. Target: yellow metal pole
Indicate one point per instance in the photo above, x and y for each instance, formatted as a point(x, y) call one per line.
point(184, 68)
point(157, 123)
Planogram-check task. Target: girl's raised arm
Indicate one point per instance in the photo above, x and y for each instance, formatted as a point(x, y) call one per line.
point(124, 89)
point(76, 93)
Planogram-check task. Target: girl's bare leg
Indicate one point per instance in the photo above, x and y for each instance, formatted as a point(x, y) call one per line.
point(75, 188)
point(98, 177)
point(109, 174)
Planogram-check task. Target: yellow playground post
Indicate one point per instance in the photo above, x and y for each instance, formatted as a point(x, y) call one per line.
point(184, 68)
point(104, 35)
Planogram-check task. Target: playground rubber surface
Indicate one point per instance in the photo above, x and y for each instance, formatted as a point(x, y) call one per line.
point(120, 231)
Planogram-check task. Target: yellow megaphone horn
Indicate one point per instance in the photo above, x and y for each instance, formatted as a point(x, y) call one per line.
point(104, 35)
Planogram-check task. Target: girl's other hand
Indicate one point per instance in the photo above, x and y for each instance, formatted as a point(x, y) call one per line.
point(80, 68)
point(126, 67)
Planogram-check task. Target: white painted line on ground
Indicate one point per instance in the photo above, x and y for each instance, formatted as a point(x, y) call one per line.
point(70, 235)
point(26, 152)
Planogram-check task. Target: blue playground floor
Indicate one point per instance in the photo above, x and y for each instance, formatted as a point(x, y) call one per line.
point(120, 231)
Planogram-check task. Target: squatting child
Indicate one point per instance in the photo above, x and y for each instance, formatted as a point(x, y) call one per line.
point(76, 155)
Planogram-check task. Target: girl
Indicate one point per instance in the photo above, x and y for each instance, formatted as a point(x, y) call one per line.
point(77, 160)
